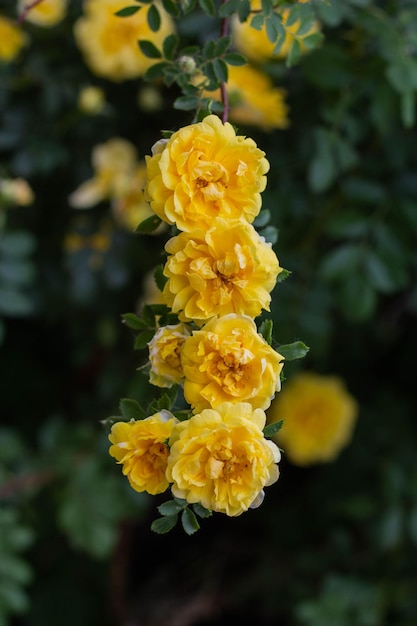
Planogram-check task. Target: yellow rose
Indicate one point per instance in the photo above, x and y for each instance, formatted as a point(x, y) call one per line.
point(141, 448)
point(91, 100)
point(319, 416)
point(229, 361)
point(253, 99)
point(255, 45)
point(128, 204)
point(226, 269)
point(221, 459)
point(164, 355)
point(114, 164)
point(206, 171)
point(12, 39)
point(110, 42)
point(45, 13)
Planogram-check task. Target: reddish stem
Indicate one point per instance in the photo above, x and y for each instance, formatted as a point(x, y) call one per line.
point(27, 10)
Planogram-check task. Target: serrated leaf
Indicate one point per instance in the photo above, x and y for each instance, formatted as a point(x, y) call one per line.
point(171, 507)
point(189, 521)
point(293, 351)
point(133, 321)
point(149, 225)
point(131, 409)
point(127, 11)
point(271, 429)
point(164, 524)
point(201, 511)
point(154, 18)
point(149, 49)
point(142, 340)
point(266, 330)
point(283, 275)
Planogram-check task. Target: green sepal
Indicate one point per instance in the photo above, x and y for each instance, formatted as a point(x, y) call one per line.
point(189, 521)
point(131, 409)
point(293, 351)
point(149, 225)
point(271, 429)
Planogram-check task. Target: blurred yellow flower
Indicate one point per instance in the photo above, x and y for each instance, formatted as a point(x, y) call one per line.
point(164, 355)
point(12, 39)
point(228, 268)
point(110, 42)
point(91, 100)
point(253, 99)
point(221, 459)
point(113, 162)
point(229, 361)
point(16, 191)
point(319, 416)
point(141, 448)
point(204, 171)
point(255, 45)
point(128, 203)
point(45, 12)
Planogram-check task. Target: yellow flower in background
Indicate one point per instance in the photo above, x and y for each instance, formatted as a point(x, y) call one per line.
point(12, 39)
point(45, 13)
point(319, 416)
point(16, 191)
point(226, 269)
point(91, 100)
point(229, 361)
point(254, 99)
point(109, 42)
point(221, 459)
point(164, 355)
point(255, 45)
point(128, 203)
point(141, 448)
point(206, 171)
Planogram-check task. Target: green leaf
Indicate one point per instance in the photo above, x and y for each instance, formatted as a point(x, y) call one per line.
point(17, 244)
point(142, 340)
point(133, 321)
point(270, 234)
point(294, 53)
point(171, 507)
point(172, 7)
point(266, 330)
point(257, 22)
point(283, 275)
point(154, 18)
point(220, 70)
point(313, 40)
point(14, 302)
point(189, 521)
point(149, 49)
point(169, 46)
point(160, 278)
point(186, 103)
point(222, 45)
point(342, 261)
point(201, 511)
point(243, 10)
point(228, 8)
point(131, 409)
point(293, 351)
point(164, 524)
point(208, 7)
point(262, 219)
point(127, 11)
point(156, 71)
point(234, 58)
point(149, 225)
point(271, 429)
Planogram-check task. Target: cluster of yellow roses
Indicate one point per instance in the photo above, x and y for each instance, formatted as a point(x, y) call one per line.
point(207, 181)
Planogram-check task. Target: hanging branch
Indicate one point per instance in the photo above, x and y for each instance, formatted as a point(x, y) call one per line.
point(27, 10)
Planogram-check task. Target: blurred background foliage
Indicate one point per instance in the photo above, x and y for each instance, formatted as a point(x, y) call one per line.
point(333, 544)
